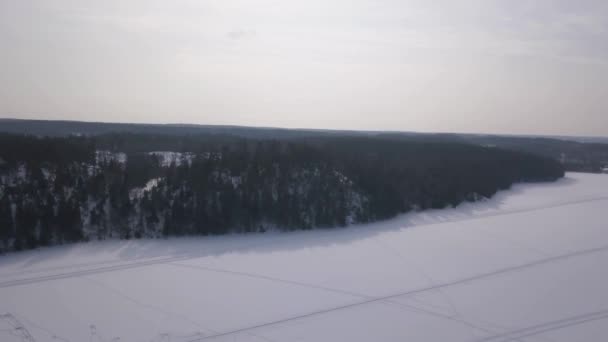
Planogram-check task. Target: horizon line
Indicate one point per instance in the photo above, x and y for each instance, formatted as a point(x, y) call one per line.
point(182, 124)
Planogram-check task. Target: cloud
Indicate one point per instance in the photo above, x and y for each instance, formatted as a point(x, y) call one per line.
point(240, 34)
point(410, 64)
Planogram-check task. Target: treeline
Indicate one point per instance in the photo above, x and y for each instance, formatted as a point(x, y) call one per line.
point(58, 190)
point(575, 154)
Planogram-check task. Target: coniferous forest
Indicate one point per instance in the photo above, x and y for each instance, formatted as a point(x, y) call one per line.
point(57, 190)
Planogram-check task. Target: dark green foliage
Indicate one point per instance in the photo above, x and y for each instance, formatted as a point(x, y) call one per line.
point(55, 190)
point(6, 222)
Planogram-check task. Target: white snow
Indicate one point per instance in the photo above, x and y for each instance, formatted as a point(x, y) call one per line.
point(527, 265)
point(178, 158)
point(15, 176)
point(139, 192)
point(102, 156)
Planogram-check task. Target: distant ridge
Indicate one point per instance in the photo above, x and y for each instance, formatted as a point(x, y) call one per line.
point(70, 127)
point(65, 128)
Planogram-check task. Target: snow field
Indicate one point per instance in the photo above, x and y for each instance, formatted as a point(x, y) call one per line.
point(526, 265)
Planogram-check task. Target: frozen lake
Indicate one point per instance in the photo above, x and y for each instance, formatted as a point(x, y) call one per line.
point(527, 265)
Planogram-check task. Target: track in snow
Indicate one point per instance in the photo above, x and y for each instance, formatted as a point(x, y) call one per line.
point(548, 326)
point(411, 292)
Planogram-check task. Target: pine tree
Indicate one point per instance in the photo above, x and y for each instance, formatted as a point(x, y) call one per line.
point(46, 222)
point(167, 225)
point(27, 219)
point(6, 223)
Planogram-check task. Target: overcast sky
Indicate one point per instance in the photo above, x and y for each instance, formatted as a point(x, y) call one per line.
point(504, 66)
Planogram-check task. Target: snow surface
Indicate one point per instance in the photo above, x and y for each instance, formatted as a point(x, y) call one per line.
point(139, 192)
point(527, 265)
point(108, 156)
point(167, 158)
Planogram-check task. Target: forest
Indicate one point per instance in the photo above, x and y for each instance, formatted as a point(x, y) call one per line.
point(576, 154)
point(56, 190)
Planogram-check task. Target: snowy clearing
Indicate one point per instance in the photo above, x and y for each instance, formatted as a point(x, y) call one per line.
point(524, 266)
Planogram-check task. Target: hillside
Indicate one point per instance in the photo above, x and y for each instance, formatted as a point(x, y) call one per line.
point(68, 189)
point(578, 154)
point(523, 266)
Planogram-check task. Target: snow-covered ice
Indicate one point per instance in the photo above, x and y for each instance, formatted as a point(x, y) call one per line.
point(527, 265)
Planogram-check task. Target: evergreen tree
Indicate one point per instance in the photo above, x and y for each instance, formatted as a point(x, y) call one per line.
point(6, 222)
point(237, 184)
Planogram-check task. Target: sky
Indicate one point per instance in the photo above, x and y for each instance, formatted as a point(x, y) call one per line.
point(482, 66)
